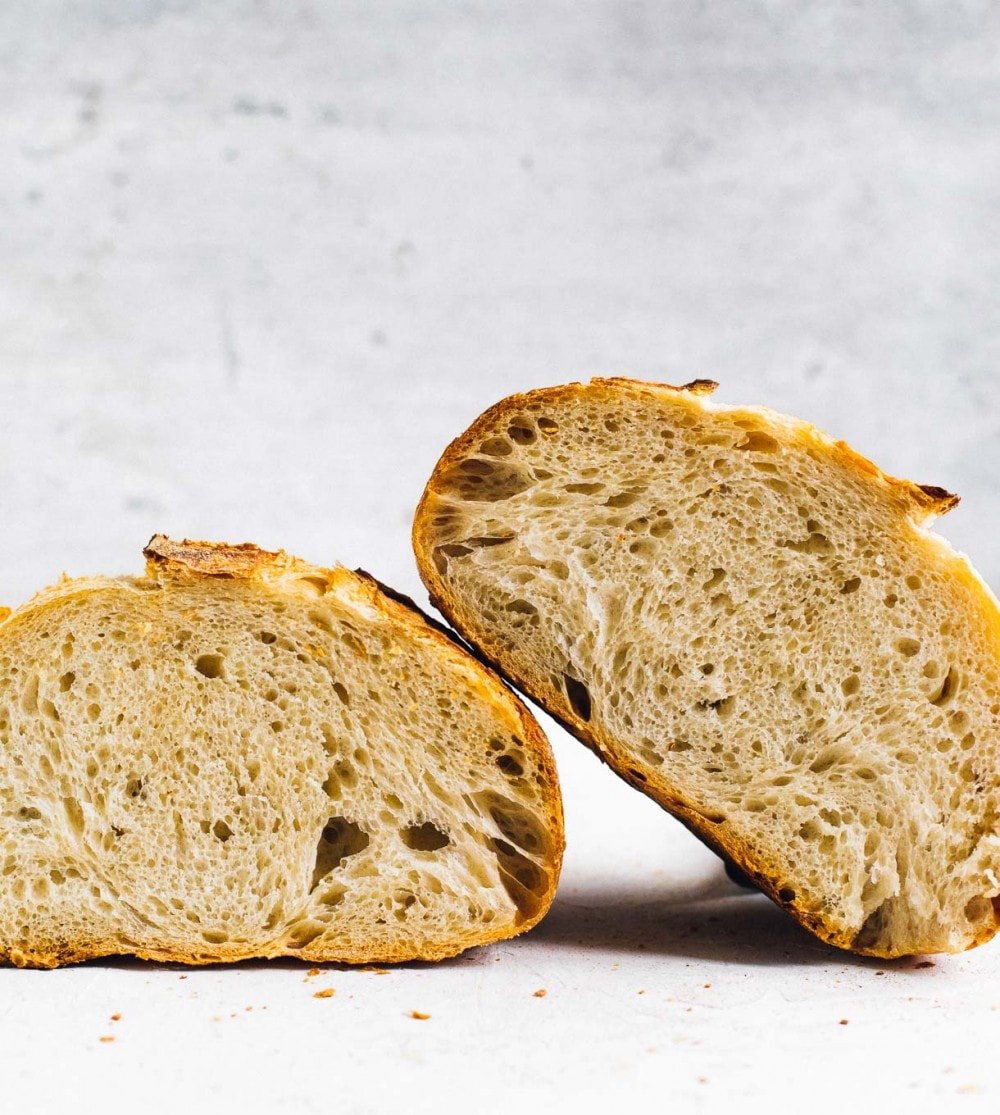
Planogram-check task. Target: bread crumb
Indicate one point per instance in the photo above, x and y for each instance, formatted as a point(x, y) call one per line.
point(182, 977)
point(843, 1022)
point(706, 985)
point(326, 993)
point(643, 992)
point(540, 993)
point(105, 1038)
point(419, 1015)
point(116, 1017)
point(313, 972)
point(925, 964)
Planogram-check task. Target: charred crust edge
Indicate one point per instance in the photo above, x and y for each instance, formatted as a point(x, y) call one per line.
point(939, 498)
point(208, 559)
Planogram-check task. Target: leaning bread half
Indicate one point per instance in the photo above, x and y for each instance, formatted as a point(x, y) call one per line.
point(242, 755)
point(752, 624)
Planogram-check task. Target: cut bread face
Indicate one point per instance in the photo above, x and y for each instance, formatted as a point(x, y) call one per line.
point(243, 755)
point(752, 624)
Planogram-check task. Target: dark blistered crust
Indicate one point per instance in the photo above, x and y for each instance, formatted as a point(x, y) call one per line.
point(247, 562)
point(209, 559)
point(920, 502)
point(941, 499)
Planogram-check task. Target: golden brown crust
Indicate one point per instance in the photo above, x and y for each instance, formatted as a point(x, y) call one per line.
point(919, 502)
point(280, 573)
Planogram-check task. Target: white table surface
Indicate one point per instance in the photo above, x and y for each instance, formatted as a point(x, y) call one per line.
point(260, 261)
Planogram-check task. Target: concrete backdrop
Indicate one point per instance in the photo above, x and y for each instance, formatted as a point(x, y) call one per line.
point(260, 261)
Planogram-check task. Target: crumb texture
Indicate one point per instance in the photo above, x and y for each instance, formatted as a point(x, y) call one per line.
point(752, 624)
point(260, 758)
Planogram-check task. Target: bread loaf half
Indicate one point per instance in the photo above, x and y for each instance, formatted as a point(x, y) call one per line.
point(242, 755)
point(752, 624)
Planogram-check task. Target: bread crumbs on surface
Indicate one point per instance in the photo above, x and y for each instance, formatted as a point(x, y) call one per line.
point(313, 972)
point(843, 1022)
point(706, 985)
point(105, 1038)
point(326, 993)
point(116, 1017)
point(642, 992)
point(926, 964)
point(419, 1015)
point(540, 993)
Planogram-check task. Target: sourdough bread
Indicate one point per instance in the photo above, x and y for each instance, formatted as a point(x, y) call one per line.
point(752, 624)
point(243, 755)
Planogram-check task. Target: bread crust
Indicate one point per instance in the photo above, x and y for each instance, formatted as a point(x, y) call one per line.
point(919, 503)
point(280, 574)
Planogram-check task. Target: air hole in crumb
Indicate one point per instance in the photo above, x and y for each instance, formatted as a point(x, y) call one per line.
point(908, 647)
point(947, 688)
point(510, 766)
point(267, 637)
point(976, 909)
point(66, 681)
point(851, 586)
point(523, 880)
point(304, 933)
point(340, 838)
point(521, 433)
point(221, 831)
point(516, 823)
point(621, 499)
point(496, 447)
point(547, 426)
point(425, 838)
point(579, 696)
point(758, 442)
point(786, 894)
point(209, 665)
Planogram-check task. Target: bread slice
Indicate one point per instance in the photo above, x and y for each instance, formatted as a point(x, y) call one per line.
point(753, 625)
point(242, 755)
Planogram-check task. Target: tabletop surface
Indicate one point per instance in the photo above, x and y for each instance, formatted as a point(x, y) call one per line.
point(259, 262)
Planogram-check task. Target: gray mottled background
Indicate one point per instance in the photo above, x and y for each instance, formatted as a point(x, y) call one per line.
point(260, 261)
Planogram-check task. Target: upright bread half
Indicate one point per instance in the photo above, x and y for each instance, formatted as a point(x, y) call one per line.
point(242, 755)
point(752, 624)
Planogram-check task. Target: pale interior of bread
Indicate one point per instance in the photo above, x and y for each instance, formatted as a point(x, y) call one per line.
point(206, 769)
point(747, 620)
